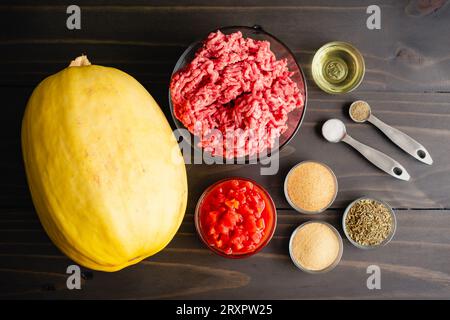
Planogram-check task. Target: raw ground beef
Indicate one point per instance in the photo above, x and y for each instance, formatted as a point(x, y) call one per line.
point(235, 88)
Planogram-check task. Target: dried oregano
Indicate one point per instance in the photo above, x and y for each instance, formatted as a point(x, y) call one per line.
point(369, 222)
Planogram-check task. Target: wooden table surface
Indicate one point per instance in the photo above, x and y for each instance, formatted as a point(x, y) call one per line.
point(407, 82)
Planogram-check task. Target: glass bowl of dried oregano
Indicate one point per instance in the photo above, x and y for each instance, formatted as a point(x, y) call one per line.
point(369, 223)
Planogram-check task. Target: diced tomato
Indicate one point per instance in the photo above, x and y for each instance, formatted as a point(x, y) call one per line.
point(229, 219)
point(256, 237)
point(223, 229)
point(234, 184)
point(241, 190)
point(245, 209)
point(250, 225)
point(258, 206)
point(261, 205)
point(241, 198)
point(235, 240)
point(211, 231)
point(233, 203)
point(224, 238)
point(211, 219)
point(219, 243)
point(260, 224)
point(249, 185)
point(235, 216)
point(221, 196)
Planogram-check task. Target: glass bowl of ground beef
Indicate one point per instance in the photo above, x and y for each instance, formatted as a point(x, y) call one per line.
point(238, 94)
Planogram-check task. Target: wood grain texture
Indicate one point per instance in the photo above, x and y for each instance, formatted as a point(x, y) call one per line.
point(33, 268)
point(143, 34)
point(423, 116)
point(406, 83)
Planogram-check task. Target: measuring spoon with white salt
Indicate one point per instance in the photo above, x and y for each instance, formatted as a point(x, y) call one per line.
point(334, 131)
point(360, 111)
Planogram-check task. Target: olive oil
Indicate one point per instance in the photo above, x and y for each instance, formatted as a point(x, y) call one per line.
point(338, 67)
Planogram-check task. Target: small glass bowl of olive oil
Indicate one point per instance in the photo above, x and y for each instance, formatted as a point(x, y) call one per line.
point(338, 67)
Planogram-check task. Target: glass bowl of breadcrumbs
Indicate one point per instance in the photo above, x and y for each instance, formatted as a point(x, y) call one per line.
point(310, 187)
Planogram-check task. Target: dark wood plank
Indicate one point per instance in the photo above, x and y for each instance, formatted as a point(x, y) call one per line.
point(413, 113)
point(143, 35)
point(423, 116)
point(197, 3)
point(413, 265)
point(406, 83)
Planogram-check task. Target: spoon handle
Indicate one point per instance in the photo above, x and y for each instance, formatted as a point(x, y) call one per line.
point(402, 140)
point(381, 160)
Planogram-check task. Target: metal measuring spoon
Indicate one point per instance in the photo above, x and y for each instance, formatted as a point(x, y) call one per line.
point(334, 131)
point(401, 139)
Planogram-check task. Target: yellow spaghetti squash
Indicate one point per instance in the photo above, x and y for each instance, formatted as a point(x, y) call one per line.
point(104, 169)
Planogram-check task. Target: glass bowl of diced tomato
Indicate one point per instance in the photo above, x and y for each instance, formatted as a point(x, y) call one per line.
point(235, 217)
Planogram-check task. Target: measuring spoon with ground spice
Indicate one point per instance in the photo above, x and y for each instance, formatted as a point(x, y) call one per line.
point(360, 111)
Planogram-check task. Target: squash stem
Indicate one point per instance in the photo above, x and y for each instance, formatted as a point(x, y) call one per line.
point(80, 61)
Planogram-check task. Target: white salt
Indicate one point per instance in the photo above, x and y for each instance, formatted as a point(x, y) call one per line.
point(333, 130)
